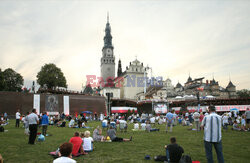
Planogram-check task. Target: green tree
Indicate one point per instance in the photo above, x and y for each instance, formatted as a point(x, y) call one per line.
point(1, 81)
point(12, 81)
point(243, 93)
point(51, 77)
point(88, 90)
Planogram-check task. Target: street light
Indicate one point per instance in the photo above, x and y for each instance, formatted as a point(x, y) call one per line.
point(145, 81)
point(109, 95)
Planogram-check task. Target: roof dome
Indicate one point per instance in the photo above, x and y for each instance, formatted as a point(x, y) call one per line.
point(178, 85)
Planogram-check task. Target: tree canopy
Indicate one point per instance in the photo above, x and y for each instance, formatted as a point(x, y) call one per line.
point(10, 80)
point(243, 93)
point(51, 77)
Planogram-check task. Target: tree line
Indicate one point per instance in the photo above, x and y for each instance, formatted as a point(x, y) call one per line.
point(49, 77)
point(52, 77)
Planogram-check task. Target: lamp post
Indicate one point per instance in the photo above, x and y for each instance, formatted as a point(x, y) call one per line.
point(145, 80)
point(198, 97)
point(109, 96)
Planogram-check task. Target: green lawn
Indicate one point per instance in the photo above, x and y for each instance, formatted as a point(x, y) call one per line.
point(14, 147)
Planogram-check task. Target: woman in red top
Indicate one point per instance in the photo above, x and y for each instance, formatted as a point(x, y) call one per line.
point(77, 145)
point(201, 117)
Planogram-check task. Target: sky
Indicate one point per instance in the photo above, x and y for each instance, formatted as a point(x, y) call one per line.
point(206, 38)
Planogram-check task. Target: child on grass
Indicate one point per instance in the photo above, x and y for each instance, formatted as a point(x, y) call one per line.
point(87, 142)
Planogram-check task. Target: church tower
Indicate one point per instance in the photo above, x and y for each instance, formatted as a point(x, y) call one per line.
point(108, 58)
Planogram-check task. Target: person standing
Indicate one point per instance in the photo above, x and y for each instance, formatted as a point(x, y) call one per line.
point(18, 118)
point(169, 118)
point(212, 135)
point(248, 119)
point(196, 116)
point(45, 123)
point(5, 116)
point(33, 122)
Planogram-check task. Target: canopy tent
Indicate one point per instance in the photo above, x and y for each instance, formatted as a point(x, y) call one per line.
point(86, 112)
point(234, 109)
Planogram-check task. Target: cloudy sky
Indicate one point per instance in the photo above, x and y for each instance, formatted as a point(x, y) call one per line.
point(202, 37)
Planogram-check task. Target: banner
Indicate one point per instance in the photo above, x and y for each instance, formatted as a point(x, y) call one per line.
point(66, 105)
point(122, 109)
point(51, 103)
point(36, 103)
point(160, 108)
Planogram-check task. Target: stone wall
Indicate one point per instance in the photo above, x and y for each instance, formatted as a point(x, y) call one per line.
point(11, 101)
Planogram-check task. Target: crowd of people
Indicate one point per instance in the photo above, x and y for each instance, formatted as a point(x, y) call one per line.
point(82, 143)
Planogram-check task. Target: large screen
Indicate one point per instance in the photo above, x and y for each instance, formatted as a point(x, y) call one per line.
point(160, 108)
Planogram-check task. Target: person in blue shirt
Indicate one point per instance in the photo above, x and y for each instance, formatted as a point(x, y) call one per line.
point(169, 120)
point(45, 123)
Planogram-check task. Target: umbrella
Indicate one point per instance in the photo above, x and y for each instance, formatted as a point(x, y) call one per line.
point(87, 112)
point(234, 109)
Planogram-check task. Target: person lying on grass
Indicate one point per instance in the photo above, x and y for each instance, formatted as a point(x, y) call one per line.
point(65, 154)
point(112, 134)
point(77, 145)
point(149, 128)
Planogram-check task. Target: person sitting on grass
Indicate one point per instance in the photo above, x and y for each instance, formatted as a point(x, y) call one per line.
point(112, 134)
point(65, 153)
point(149, 128)
point(72, 122)
point(136, 126)
point(143, 126)
point(173, 151)
point(87, 142)
point(235, 126)
point(97, 134)
point(123, 125)
point(77, 145)
point(62, 124)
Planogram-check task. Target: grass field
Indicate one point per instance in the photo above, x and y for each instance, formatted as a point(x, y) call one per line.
point(14, 145)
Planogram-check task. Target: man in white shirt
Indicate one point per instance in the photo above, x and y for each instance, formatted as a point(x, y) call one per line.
point(123, 125)
point(18, 118)
point(33, 122)
point(101, 117)
point(66, 154)
point(136, 126)
point(72, 122)
point(225, 121)
point(212, 135)
point(143, 126)
point(152, 120)
point(196, 116)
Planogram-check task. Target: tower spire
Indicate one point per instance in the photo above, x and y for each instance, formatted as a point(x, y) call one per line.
point(108, 17)
point(119, 71)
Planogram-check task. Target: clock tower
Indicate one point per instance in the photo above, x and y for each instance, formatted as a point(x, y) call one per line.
point(108, 58)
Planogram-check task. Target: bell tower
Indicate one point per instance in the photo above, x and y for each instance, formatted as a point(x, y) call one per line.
point(108, 58)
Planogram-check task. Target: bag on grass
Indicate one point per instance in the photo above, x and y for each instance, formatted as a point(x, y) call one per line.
point(1, 129)
point(160, 158)
point(185, 159)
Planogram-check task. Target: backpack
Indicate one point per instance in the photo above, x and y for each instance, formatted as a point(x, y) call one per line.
point(1, 129)
point(185, 159)
point(160, 158)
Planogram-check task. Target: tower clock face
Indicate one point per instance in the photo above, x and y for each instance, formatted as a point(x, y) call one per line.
point(109, 51)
